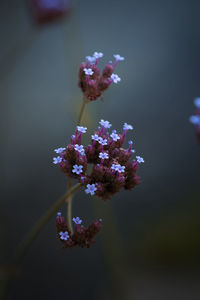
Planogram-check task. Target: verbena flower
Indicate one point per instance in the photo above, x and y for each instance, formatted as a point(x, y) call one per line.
point(92, 82)
point(57, 160)
point(77, 220)
point(59, 150)
point(107, 165)
point(82, 236)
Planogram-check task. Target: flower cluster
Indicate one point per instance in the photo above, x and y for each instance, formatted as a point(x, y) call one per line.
point(83, 237)
point(195, 119)
point(112, 167)
point(91, 82)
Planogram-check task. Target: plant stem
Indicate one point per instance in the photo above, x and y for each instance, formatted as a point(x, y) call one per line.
point(69, 200)
point(85, 101)
point(69, 207)
point(26, 243)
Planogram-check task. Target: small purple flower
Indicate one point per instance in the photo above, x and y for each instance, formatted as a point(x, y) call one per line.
point(139, 159)
point(95, 137)
point(77, 220)
point(115, 78)
point(59, 214)
point(57, 160)
point(91, 188)
point(118, 57)
point(121, 169)
point(98, 54)
point(59, 150)
point(130, 142)
point(195, 120)
point(197, 102)
point(82, 129)
point(88, 71)
point(64, 235)
point(79, 148)
point(91, 59)
point(118, 168)
point(102, 141)
point(127, 127)
point(114, 136)
point(105, 124)
point(77, 169)
point(133, 151)
point(103, 155)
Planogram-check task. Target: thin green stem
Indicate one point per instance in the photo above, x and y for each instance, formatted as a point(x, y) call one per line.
point(69, 200)
point(85, 101)
point(28, 240)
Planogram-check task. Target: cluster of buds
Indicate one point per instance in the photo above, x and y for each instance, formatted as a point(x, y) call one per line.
point(83, 237)
point(195, 119)
point(91, 82)
point(112, 167)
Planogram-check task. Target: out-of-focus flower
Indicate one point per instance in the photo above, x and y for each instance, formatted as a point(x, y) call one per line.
point(195, 119)
point(49, 10)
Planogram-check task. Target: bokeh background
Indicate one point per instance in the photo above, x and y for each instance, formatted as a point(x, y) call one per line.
point(149, 246)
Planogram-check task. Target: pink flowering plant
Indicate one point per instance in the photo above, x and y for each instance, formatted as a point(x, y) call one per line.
point(102, 168)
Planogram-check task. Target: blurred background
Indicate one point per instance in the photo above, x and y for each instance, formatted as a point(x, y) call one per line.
point(149, 246)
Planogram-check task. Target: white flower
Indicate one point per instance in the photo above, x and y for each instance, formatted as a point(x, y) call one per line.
point(98, 54)
point(115, 136)
point(88, 71)
point(197, 102)
point(59, 150)
point(127, 127)
point(118, 57)
point(139, 159)
point(91, 188)
point(91, 59)
point(105, 124)
point(95, 137)
point(103, 155)
point(81, 129)
point(115, 78)
point(57, 160)
point(77, 169)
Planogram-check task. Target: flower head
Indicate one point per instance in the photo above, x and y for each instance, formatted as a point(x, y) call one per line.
point(88, 71)
point(115, 78)
point(127, 127)
point(77, 220)
point(59, 150)
point(81, 129)
point(103, 155)
point(77, 169)
point(195, 120)
point(102, 141)
point(118, 57)
point(139, 159)
point(98, 54)
point(64, 235)
point(105, 124)
point(91, 188)
point(57, 160)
